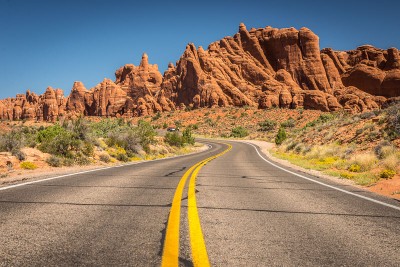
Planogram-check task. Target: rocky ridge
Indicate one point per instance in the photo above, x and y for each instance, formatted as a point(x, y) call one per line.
point(264, 68)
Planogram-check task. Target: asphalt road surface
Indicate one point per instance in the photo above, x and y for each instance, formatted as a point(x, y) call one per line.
point(251, 213)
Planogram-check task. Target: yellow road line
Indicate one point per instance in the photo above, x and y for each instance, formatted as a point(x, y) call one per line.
point(171, 243)
point(170, 255)
point(198, 246)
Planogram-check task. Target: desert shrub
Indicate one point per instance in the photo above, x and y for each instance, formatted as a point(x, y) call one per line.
point(82, 160)
point(299, 148)
point(354, 168)
point(68, 162)
point(378, 149)
point(130, 138)
point(54, 161)
point(105, 158)
point(27, 165)
point(173, 139)
point(392, 161)
point(210, 122)
point(122, 157)
point(393, 119)
point(21, 156)
point(387, 174)
point(267, 125)
point(49, 133)
point(239, 132)
point(281, 136)
point(367, 115)
point(290, 123)
point(323, 118)
point(291, 146)
point(156, 117)
point(104, 127)
point(146, 134)
point(63, 144)
point(29, 135)
point(365, 161)
point(68, 141)
point(115, 151)
point(79, 128)
point(187, 137)
point(12, 141)
point(165, 125)
point(324, 151)
point(126, 138)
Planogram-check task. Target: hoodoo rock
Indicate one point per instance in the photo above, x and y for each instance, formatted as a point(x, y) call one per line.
point(264, 68)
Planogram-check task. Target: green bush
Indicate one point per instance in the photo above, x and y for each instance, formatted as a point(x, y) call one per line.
point(104, 127)
point(239, 132)
point(187, 137)
point(27, 165)
point(281, 136)
point(387, 174)
point(173, 139)
point(267, 125)
point(50, 133)
point(146, 134)
point(54, 161)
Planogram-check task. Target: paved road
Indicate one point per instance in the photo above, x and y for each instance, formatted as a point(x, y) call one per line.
point(251, 212)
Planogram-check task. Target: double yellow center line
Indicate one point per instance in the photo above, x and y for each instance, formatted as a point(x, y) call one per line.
point(170, 255)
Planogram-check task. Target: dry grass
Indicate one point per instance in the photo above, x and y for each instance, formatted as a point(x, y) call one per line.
point(366, 161)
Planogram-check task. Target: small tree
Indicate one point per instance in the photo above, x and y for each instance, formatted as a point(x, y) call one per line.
point(187, 137)
point(281, 136)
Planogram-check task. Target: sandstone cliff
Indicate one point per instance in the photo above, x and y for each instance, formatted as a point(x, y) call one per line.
point(264, 67)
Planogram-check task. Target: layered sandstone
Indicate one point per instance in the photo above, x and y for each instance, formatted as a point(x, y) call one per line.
point(264, 68)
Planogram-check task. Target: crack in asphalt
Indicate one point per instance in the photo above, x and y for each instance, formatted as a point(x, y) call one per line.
point(101, 186)
point(300, 212)
point(172, 173)
point(273, 188)
point(86, 204)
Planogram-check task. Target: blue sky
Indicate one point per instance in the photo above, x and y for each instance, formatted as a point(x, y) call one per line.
point(54, 43)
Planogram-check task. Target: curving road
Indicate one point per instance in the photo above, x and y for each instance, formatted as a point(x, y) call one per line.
point(252, 213)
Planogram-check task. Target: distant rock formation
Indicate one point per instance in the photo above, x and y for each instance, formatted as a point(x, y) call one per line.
point(264, 68)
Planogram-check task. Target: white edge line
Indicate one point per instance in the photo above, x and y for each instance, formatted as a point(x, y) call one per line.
point(95, 170)
point(324, 184)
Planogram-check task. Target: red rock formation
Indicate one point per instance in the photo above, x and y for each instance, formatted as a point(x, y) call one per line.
point(76, 104)
point(372, 70)
point(264, 67)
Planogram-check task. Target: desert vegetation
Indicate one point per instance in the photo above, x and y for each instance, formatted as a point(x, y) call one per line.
point(362, 147)
point(82, 142)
